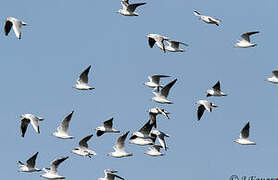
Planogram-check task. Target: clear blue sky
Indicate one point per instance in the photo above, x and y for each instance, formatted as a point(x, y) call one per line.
point(64, 37)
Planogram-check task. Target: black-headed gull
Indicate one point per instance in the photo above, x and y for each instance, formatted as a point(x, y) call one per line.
point(128, 9)
point(215, 91)
point(82, 82)
point(120, 147)
point(158, 40)
point(204, 105)
point(161, 96)
point(155, 151)
point(16, 24)
point(153, 112)
point(160, 136)
point(30, 164)
point(142, 136)
point(173, 46)
point(108, 127)
point(154, 80)
point(245, 42)
point(26, 119)
point(62, 130)
point(83, 148)
point(52, 173)
point(109, 175)
point(274, 78)
point(244, 134)
point(207, 19)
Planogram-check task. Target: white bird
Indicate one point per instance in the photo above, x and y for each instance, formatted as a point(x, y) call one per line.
point(108, 127)
point(158, 40)
point(30, 164)
point(204, 105)
point(128, 9)
point(120, 147)
point(62, 130)
point(144, 132)
point(153, 112)
point(16, 24)
point(82, 82)
point(208, 19)
point(215, 91)
point(140, 141)
point(155, 151)
point(52, 173)
point(244, 134)
point(109, 175)
point(154, 80)
point(83, 148)
point(26, 119)
point(160, 136)
point(245, 42)
point(274, 78)
point(173, 46)
point(161, 97)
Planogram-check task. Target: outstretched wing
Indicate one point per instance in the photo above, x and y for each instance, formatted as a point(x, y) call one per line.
point(54, 164)
point(83, 78)
point(132, 7)
point(108, 124)
point(83, 142)
point(216, 87)
point(32, 161)
point(165, 90)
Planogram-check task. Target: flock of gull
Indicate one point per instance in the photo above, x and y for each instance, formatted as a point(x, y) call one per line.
point(146, 135)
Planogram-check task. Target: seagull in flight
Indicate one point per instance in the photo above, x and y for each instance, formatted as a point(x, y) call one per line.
point(155, 151)
point(128, 9)
point(161, 97)
point(215, 91)
point(204, 105)
point(154, 80)
point(51, 173)
point(106, 128)
point(30, 164)
point(245, 42)
point(120, 147)
point(207, 19)
point(160, 136)
point(274, 78)
point(83, 148)
point(158, 40)
point(62, 130)
point(82, 82)
point(141, 137)
point(16, 24)
point(173, 46)
point(26, 119)
point(109, 175)
point(244, 134)
point(153, 112)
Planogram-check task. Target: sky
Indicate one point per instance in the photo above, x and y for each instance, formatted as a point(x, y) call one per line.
point(64, 37)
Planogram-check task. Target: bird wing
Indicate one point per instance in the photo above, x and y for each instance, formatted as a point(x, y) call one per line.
point(200, 111)
point(156, 147)
point(196, 13)
point(132, 7)
point(35, 123)
point(111, 176)
point(64, 126)
point(16, 28)
point(246, 36)
point(146, 129)
point(108, 124)
point(153, 118)
point(83, 78)
point(275, 73)
point(165, 90)
point(124, 4)
point(120, 143)
point(8, 26)
point(23, 126)
point(54, 164)
point(83, 142)
point(245, 131)
point(156, 78)
point(151, 42)
point(216, 87)
point(32, 161)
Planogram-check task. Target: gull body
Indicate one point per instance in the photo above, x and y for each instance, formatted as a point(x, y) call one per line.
point(30, 164)
point(16, 24)
point(158, 40)
point(109, 175)
point(128, 9)
point(161, 138)
point(155, 151)
point(82, 82)
point(144, 132)
point(29, 118)
point(120, 147)
point(274, 78)
point(215, 91)
point(245, 42)
point(204, 105)
point(154, 80)
point(244, 135)
point(173, 46)
point(83, 148)
point(207, 19)
point(52, 173)
point(62, 130)
point(140, 141)
point(106, 128)
point(153, 112)
point(161, 96)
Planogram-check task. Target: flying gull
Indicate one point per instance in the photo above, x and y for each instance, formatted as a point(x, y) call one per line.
point(153, 112)
point(173, 46)
point(26, 119)
point(215, 91)
point(82, 82)
point(204, 105)
point(160, 136)
point(52, 173)
point(30, 164)
point(83, 148)
point(16, 24)
point(244, 134)
point(120, 147)
point(141, 137)
point(207, 19)
point(155, 151)
point(154, 80)
point(62, 130)
point(161, 96)
point(128, 9)
point(245, 42)
point(274, 78)
point(109, 175)
point(158, 40)
point(108, 127)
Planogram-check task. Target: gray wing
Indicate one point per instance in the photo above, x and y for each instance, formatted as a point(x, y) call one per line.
point(165, 90)
point(175, 44)
point(111, 176)
point(246, 36)
point(146, 129)
point(275, 73)
point(132, 7)
point(200, 111)
point(156, 78)
point(245, 131)
point(23, 126)
point(54, 164)
point(108, 123)
point(151, 42)
point(216, 87)
point(125, 4)
point(153, 118)
point(32, 161)
point(83, 142)
point(8, 26)
point(64, 126)
point(83, 78)
point(120, 143)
